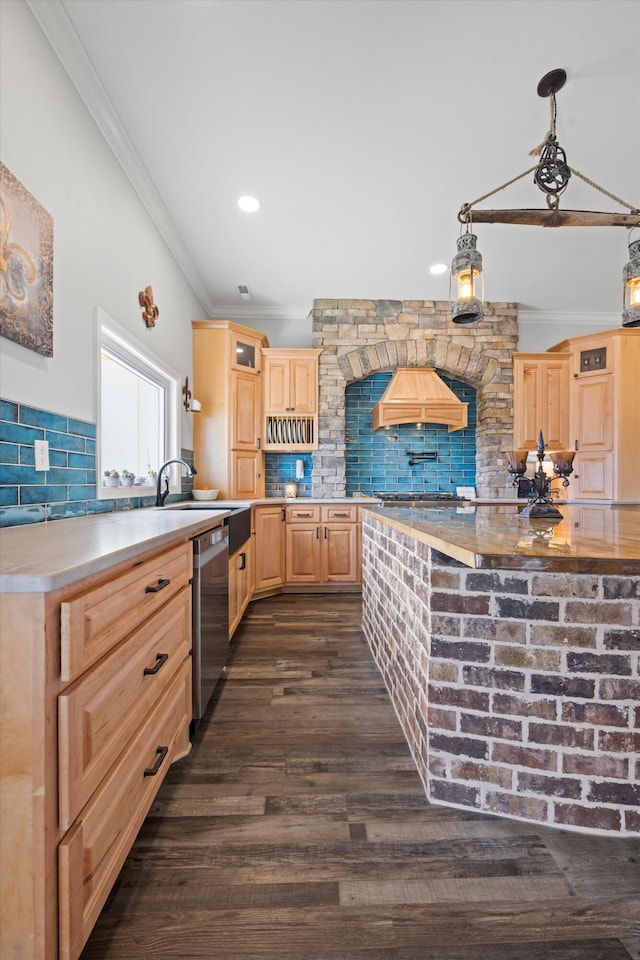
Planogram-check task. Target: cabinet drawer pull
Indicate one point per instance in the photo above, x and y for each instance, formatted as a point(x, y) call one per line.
point(151, 771)
point(160, 585)
point(301, 514)
point(161, 659)
point(341, 514)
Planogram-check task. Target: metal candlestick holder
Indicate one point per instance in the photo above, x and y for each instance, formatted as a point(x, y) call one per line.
point(540, 505)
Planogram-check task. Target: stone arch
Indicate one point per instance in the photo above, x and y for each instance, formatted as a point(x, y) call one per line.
point(356, 344)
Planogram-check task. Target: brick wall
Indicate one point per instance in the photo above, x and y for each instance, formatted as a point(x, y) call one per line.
point(360, 337)
point(518, 692)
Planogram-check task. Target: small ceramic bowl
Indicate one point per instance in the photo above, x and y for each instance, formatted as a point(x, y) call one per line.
point(204, 494)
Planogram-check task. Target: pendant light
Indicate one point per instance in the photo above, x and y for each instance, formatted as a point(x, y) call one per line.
point(466, 270)
point(631, 278)
point(551, 175)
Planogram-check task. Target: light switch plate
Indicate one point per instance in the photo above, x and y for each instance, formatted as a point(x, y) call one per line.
point(41, 453)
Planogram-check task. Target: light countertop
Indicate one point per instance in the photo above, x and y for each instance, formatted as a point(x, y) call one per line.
point(40, 557)
point(591, 538)
point(45, 556)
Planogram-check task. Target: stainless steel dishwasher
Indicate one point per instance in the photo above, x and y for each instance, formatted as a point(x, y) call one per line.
point(210, 612)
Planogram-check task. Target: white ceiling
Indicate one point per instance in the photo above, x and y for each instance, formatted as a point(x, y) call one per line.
point(362, 126)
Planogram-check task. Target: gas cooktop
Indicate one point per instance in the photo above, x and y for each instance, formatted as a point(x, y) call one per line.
point(419, 497)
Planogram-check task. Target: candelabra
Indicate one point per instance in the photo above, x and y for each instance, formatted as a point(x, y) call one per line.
point(540, 505)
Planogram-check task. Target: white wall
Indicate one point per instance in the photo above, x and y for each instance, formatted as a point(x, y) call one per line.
point(106, 248)
point(538, 332)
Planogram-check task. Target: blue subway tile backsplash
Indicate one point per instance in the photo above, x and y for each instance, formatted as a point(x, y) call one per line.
point(375, 460)
point(68, 487)
point(378, 461)
point(280, 468)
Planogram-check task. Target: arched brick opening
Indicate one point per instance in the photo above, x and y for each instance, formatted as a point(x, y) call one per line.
point(363, 337)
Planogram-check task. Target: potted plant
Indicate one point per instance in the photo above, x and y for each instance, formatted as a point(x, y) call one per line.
point(111, 478)
point(127, 478)
point(152, 475)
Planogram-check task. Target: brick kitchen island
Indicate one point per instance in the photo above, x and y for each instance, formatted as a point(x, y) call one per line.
point(511, 652)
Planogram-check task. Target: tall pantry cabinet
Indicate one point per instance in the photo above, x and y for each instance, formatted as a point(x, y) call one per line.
point(604, 415)
point(228, 448)
point(584, 394)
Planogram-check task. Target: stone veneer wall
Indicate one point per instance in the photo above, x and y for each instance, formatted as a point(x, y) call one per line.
point(517, 691)
point(360, 337)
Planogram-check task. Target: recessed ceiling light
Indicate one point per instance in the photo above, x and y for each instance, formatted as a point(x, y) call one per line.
point(438, 268)
point(248, 204)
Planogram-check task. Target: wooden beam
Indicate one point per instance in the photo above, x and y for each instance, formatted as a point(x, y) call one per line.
point(552, 218)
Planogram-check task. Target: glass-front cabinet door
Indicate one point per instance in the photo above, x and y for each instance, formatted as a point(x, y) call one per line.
point(245, 353)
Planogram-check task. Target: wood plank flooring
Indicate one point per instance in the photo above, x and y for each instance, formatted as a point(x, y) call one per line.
point(298, 829)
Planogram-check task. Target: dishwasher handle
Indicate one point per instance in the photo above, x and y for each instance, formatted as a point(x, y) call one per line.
point(200, 560)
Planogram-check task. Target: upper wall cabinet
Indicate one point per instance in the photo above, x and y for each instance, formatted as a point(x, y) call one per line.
point(541, 399)
point(290, 394)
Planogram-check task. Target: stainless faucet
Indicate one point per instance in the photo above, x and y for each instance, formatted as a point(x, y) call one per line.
point(161, 497)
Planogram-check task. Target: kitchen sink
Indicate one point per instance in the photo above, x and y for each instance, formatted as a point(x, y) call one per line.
point(238, 521)
point(192, 505)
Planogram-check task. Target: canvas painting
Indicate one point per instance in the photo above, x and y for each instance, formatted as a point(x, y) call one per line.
point(26, 267)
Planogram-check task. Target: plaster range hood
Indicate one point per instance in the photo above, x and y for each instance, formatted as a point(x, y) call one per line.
point(418, 395)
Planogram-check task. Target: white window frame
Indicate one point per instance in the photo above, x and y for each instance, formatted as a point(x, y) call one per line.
point(113, 337)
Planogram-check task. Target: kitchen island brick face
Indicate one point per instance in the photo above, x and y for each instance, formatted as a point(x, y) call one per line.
point(517, 692)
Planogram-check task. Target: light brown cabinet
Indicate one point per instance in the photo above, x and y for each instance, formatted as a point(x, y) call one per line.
point(290, 381)
point(269, 544)
point(227, 432)
point(322, 545)
point(241, 579)
point(290, 397)
point(541, 400)
point(604, 415)
point(96, 704)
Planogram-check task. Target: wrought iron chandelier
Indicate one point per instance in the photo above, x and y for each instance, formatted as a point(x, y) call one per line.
point(551, 175)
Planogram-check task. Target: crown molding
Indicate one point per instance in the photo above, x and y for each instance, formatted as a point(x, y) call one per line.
point(54, 22)
point(600, 321)
point(253, 314)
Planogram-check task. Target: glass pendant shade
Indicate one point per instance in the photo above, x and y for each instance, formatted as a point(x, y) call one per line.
point(631, 278)
point(466, 269)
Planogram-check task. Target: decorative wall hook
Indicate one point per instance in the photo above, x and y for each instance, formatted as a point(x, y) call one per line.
point(191, 405)
point(150, 312)
point(186, 393)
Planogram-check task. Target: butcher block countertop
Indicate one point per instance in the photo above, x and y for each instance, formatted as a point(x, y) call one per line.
point(591, 538)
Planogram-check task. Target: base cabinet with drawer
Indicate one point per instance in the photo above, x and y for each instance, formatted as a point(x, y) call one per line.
point(322, 544)
point(96, 704)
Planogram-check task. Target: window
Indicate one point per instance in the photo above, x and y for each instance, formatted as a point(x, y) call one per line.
point(137, 412)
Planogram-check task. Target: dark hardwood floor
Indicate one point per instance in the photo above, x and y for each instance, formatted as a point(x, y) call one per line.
point(298, 829)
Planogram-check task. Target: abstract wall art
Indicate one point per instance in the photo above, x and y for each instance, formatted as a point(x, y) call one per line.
point(26, 267)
